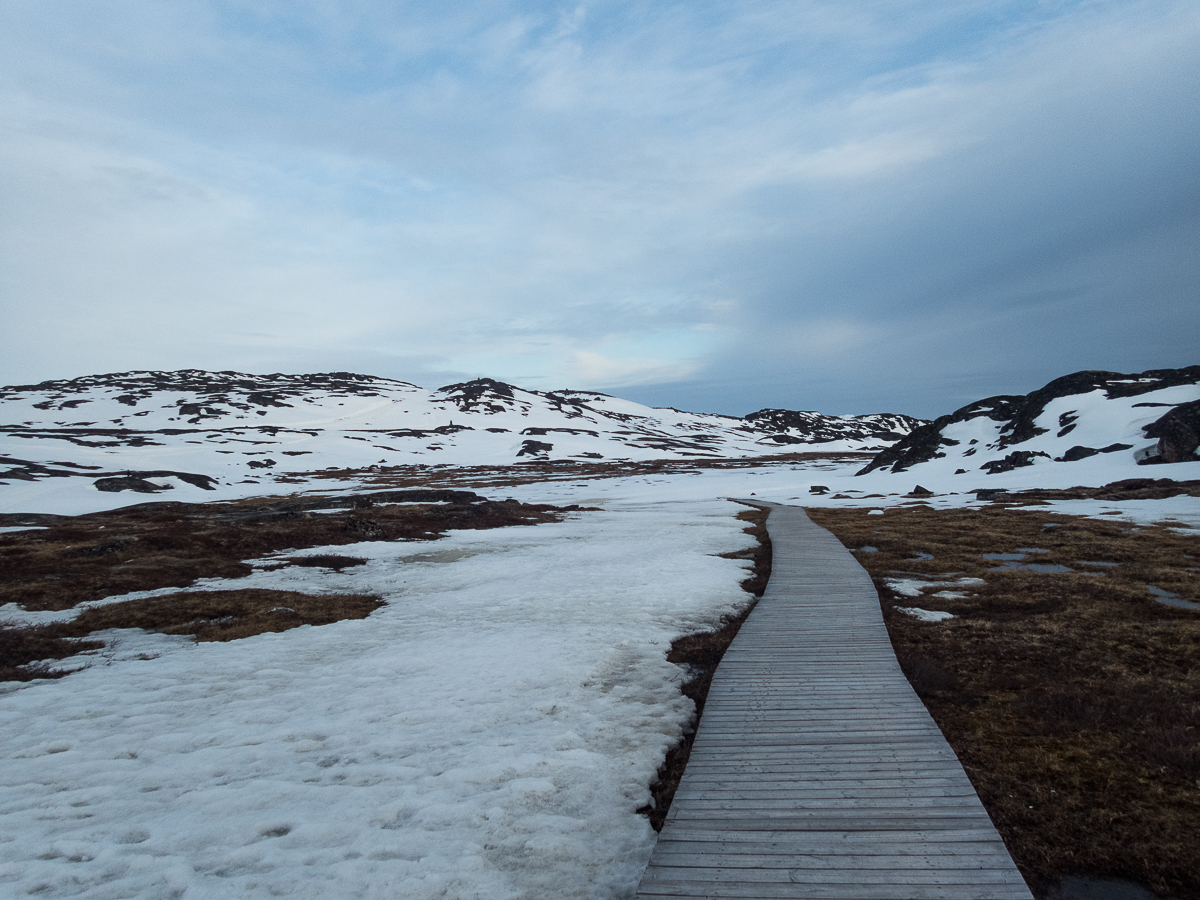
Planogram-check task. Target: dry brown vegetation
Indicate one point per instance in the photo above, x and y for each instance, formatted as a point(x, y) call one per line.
point(220, 615)
point(1073, 699)
point(702, 652)
point(157, 545)
point(542, 471)
point(171, 545)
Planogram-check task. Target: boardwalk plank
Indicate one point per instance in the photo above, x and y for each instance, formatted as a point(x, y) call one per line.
point(816, 772)
point(726, 856)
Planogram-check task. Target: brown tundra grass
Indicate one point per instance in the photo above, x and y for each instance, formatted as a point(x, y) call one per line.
point(171, 545)
point(1072, 699)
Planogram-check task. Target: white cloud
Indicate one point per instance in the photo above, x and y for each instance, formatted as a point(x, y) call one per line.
point(587, 368)
point(516, 190)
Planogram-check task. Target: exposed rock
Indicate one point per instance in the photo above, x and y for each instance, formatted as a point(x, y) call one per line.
point(130, 483)
point(534, 448)
point(919, 491)
point(1015, 460)
point(789, 426)
point(1020, 413)
point(990, 494)
point(209, 410)
point(925, 441)
point(483, 395)
point(1127, 489)
point(818, 489)
point(364, 528)
point(129, 479)
point(1079, 452)
point(237, 390)
point(1178, 433)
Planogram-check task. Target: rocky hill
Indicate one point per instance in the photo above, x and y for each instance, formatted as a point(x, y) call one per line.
point(1151, 417)
point(196, 428)
point(789, 426)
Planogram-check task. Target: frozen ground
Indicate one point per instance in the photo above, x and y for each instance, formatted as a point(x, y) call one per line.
point(489, 733)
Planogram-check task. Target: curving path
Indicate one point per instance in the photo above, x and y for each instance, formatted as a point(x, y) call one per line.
point(816, 770)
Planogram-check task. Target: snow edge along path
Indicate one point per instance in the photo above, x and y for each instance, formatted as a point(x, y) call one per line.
point(488, 733)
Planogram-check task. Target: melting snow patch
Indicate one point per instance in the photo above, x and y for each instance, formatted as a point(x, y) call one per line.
point(925, 615)
point(907, 587)
point(1171, 599)
point(915, 587)
point(968, 582)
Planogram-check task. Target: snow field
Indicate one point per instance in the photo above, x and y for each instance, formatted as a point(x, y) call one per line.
point(489, 733)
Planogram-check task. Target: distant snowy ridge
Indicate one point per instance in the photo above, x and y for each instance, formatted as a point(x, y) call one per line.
point(788, 426)
point(231, 427)
point(1148, 418)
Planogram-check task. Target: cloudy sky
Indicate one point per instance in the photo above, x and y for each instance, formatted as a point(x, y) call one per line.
point(844, 206)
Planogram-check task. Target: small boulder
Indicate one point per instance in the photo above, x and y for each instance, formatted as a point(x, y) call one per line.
point(991, 494)
point(1015, 460)
point(130, 483)
point(818, 489)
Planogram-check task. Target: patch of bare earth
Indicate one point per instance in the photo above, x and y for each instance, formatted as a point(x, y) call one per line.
point(1072, 698)
point(702, 652)
point(74, 559)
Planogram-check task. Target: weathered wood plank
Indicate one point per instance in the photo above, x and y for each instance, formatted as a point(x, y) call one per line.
point(816, 772)
point(815, 823)
point(727, 858)
point(699, 832)
point(743, 891)
point(716, 875)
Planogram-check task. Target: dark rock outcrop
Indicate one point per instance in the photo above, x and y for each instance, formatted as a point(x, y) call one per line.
point(1178, 433)
point(139, 481)
point(534, 448)
point(1079, 452)
point(129, 483)
point(485, 395)
point(1015, 460)
point(220, 391)
point(1020, 413)
point(790, 426)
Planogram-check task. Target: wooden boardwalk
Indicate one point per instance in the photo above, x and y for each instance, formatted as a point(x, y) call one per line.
point(816, 770)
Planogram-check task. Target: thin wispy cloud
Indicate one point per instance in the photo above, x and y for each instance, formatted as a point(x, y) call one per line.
point(724, 207)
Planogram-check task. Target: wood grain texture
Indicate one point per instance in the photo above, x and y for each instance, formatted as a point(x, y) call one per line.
point(816, 771)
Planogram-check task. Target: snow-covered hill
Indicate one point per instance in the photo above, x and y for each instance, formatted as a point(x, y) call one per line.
point(789, 426)
point(196, 429)
point(1136, 420)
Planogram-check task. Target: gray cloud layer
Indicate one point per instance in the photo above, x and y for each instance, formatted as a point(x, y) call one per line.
point(844, 207)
